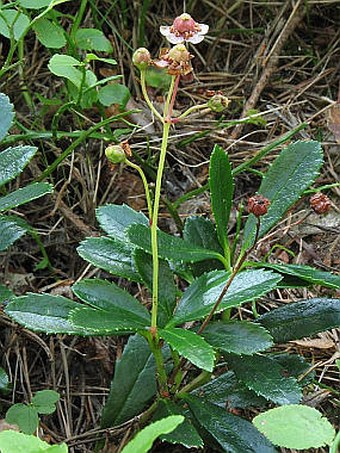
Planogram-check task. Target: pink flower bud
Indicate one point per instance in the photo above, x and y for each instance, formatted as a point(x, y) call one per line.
point(258, 205)
point(141, 58)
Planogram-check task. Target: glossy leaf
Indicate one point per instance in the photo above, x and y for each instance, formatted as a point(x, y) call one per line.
point(266, 378)
point(27, 444)
point(13, 22)
point(302, 319)
point(238, 337)
point(295, 426)
point(232, 434)
point(221, 191)
point(295, 365)
point(49, 34)
point(202, 294)
point(191, 346)
point(292, 172)
point(133, 384)
point(7, 115)
point(24, 195)
point(13, 161)
point(92, 39)
point(45, 401)
point(26, 417)
point(10, 231)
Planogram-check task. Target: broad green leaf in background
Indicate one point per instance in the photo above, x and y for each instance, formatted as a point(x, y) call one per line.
point(7, 115)
point(201, 295)
point(221, 192)
point(10, 231)
point(292, 172)
point(26, 417)
point(143, 441)
point(24, 195)
point(295, 426)
point(45, 401)
point(14, 442)
point(302, 319)
point(191, 346)
point(92, 39)
point(49, 34)
point(133, 384)
point(34, 4)
point(232, 434)
point(114, 94)
point(4, 381)
point(238, 337)
point(13, 21)
point(14, 160)
point(266, 378)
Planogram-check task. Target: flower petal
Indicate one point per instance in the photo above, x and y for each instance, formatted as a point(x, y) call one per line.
point(173, 39)
point(165, 30)
point(196, 39)
point(204, 29)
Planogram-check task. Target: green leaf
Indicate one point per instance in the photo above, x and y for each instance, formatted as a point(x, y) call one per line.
point(65, 66)
point(24, 195)
point(302, 319)
point(201, 295)
point(49, 34)
point(191, 346)
point(265, 377)
point(292, 172)
point(12, 21)
point(10, 231)
point(13, 161)
point(221, 192)
point(34, 4)
point(170, 247)
point(232, 434)
point(115, 219)
point(44, 401)
point(44, 313)
point(112, 255)
point(26, 417)
point(7, 115)
point(167, 289)
point(14, 442)
point(133, 384)
point(143, 441)
point(295, 365)
point(92, 39)
point(5, 294)
point(295, 426)
point(238, 337)
point(114, 94)
point(4, 381)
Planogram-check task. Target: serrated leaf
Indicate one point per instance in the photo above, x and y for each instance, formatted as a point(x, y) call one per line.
point(133, 384)
point(170, 247)
point(7, 115)
point(49, 34)
point(24, 195)
point(4, 381)
point(44, 401)
point(191, 346)
point(266, 378)
point(13, 161)
point(13, 22)
point(302, 319)
point(115, 219)
point(295, 426)
point(112, 255)
point(238, 337)
point(232, 434)
point(10, 231)
point(143, 441)
point(295, 365)
point(221, 192)
point(24, 443)
point(292, 172)
point(92, 39)
point(26, 417)
point(201, 295)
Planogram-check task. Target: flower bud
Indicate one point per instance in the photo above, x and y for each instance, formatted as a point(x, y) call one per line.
point(320, 203)
point(258, 205)
point(141, 58)
point(218, 103)
point(179, 54)
point(115, 154)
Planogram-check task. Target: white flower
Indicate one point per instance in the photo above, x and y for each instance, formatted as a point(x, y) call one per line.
point(183, 29)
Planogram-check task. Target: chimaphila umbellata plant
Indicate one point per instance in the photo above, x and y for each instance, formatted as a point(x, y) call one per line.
point(189, 354)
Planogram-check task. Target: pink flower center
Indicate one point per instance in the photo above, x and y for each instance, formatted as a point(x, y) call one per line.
point(184, 24)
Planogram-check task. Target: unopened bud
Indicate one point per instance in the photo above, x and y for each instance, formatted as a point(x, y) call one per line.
point(258, 205)
point(320, 203)
point(115, 154)
point(141, 58)
point(218, 103)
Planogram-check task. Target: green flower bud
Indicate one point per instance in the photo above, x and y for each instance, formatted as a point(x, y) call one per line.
point(115, 154)
point(141, 58)
point(218, 103)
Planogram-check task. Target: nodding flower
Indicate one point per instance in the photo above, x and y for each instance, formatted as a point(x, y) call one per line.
point(184, 28)
point(175, 60)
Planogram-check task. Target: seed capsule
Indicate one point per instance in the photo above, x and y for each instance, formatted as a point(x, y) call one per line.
point(258, 205)
point(320, 203)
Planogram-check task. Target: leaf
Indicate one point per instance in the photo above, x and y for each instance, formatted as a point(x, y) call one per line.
point(115, 219)
point(167, 289)
point(133, 384)
point(287, 426)
point(13, 21)
point(49, 34)
point(4, 381)
point(112, 255)
point(292, 172)
point(221, 192)
point(114, 94)
point(170, 247)
point(266, 378)
point(144, 439)
point(5, 294)
point(34, 4)
point(44, 401)
point(302, 319)
point(198, 300)
point(65, 66)
point(26, 417)
point(238, 337)
point(191, 346)
point(24, 195)
point(232, 434)
point(92, 39)
point(13, 161)
point(24, 443)
point(10, 231)
point(295, 365)
point(7, 115)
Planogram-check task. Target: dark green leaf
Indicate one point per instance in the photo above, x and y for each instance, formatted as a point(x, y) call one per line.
point(191, 346)
point(302, 319)
point(49, 34)
point(238, 337)
point(133, 384)
point(10, 231)
point(295, 365)
point(44, 401)
point(201, 295)
point(24, 195)
point(114, 94)
point(221, 192)
point(292, 172)
point(13, 161)
point(26, 417)
point(7, 115)
point(232, 434)
point(92, 39)
point(13, 22)
point(266, 378)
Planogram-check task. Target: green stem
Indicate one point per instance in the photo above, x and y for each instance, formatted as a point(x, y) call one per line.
point(192, 109)
point(145, 184)
point(336, 444)
point(146, 96)
point(156, 349)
